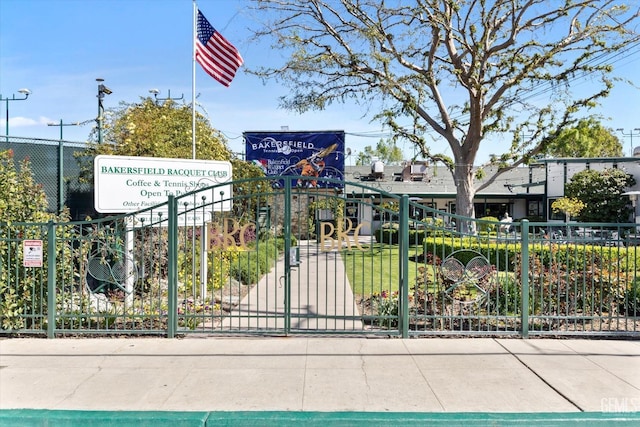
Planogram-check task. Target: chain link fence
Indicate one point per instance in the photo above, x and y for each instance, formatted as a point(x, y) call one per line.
point(54, 165)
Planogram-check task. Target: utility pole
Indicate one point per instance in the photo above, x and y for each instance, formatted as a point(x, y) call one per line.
point(630, 134)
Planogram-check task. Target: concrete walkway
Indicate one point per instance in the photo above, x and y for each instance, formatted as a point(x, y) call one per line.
point(320, 294)
point(321, 374)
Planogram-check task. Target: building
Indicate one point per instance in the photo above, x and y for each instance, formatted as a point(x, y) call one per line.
point(523, 192)
point(560, 171)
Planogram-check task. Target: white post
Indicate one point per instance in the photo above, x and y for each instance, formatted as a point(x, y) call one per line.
point(129, 263)
point(204, 247)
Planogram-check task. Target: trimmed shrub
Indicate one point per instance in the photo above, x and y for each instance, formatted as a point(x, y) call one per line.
point(487, 227)
point(503, 255)
point(250, 265)
point(391, 236)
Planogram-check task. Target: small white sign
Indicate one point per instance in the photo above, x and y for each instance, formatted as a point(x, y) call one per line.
point(32, 253)
point(127, 184)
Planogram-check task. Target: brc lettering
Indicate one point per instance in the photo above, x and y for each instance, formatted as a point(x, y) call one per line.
point(327, 231)
point(228, 234)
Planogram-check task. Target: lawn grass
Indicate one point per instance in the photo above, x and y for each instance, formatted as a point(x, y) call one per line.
point(377, 268)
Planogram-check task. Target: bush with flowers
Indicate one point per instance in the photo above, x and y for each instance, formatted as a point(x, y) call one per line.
point(387, 308)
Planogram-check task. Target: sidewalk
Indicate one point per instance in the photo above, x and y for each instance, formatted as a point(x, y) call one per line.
point(321, 374)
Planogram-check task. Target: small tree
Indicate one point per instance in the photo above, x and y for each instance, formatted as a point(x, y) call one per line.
point(22, 200)
point(569, 206)
point(601, 193)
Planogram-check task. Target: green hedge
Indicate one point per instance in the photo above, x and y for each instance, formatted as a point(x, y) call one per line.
point(504, 255)
point(416, 237)
point(251, 265)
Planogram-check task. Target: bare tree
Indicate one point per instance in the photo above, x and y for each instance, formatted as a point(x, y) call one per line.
point(460, 69)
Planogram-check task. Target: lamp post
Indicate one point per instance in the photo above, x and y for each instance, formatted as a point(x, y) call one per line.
point(63, 124)
point(155, 93)
point(61, 162)
point(26, 93)
point(102, 91)
point(630, 134)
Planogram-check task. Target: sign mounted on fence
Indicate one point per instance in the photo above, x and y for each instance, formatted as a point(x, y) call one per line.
point(313, 154)
point(127, 184)
point(32, 253)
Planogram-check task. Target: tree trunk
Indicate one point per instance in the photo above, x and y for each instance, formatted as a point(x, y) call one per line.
point(463, 176)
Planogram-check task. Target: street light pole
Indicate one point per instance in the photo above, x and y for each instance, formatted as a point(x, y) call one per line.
point(102, 91)
point(61, 163)
point(26, 93)
point(64, 124)
point(630, 134)
point(155, 93)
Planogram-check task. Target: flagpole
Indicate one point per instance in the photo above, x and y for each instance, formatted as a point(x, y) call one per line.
point(193, 82)
point(204, 250)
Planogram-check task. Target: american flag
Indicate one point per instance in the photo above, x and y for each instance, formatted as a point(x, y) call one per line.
point(219, 58)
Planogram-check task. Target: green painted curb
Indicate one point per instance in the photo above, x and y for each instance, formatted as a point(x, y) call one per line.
point(367, 419)
point(51, 418)
point(62, 418)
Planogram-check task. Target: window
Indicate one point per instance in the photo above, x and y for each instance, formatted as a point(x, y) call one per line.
point(554, 215)
point(534, 208)
point(418, 212)
point(496, 210)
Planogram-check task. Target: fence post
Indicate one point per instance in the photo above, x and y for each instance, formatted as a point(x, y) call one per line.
point(524, 279)
point(51, 280)
point(60, 173)
point(403, 247)
point(287, 249)
point(172, 319)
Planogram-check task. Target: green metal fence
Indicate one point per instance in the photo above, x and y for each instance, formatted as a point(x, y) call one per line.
point(533, 278)
point(287, 255)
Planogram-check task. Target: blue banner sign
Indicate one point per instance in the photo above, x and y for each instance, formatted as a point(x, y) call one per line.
point(310, 154)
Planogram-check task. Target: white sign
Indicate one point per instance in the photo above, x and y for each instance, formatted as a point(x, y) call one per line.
point(32, 253)
point(127, 184)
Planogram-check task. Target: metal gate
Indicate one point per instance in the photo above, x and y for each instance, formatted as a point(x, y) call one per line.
point(290, 255)
point(273, 263)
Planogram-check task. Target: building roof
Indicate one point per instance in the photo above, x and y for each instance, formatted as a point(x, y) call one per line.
point(436, 181)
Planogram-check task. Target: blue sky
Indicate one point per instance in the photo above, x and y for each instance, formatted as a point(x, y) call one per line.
point(57, 49)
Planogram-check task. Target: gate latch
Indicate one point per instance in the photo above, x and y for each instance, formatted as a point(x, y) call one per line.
point(294, 256)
